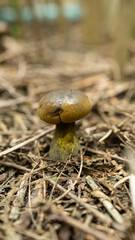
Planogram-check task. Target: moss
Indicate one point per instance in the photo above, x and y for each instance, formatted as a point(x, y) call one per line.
point(65, 142)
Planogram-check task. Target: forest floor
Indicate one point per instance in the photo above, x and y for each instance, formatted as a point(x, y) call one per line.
point(88, 196)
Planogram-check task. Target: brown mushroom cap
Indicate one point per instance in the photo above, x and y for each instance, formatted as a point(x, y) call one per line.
point(65, 106)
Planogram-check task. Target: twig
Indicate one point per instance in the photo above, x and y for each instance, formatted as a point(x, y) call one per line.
point(19, 200)
point(32, 139)
point(105, 136)
point(60, 216)
point(72, 185)
point(14, 165)
point(58, 179)
point(103, 198)
point(29, 197)
point(12, 102)
point(87, 206)
point(121, 181)
point(103, 153)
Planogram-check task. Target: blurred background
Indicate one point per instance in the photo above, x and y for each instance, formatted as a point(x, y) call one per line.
point(76, 44)
point(87, 37)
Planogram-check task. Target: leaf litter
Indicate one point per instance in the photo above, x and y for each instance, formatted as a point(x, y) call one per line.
point(84, 197)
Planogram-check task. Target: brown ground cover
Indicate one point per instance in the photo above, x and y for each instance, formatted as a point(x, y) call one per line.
point(88, 196)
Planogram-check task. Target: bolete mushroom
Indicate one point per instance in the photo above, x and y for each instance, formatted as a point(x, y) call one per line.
point(63, 108)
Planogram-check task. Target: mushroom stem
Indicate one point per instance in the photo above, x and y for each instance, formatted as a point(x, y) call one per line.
point(65, 141)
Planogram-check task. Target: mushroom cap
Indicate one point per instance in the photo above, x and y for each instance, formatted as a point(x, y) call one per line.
point(65, 106)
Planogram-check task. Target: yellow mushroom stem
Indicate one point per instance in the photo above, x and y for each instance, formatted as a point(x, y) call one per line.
point(65, 141)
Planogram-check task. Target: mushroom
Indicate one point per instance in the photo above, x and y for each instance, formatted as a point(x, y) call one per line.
point(63, 108)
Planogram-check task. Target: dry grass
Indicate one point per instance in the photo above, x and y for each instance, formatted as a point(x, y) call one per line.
point(88, 197)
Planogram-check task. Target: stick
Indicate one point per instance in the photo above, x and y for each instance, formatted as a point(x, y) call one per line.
point(32, 139)
point(72, 185)
point(103, 198)
point(19, 200)
point(87, 206)
point(103, 153)
point(12, 102)
point(62, 217)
